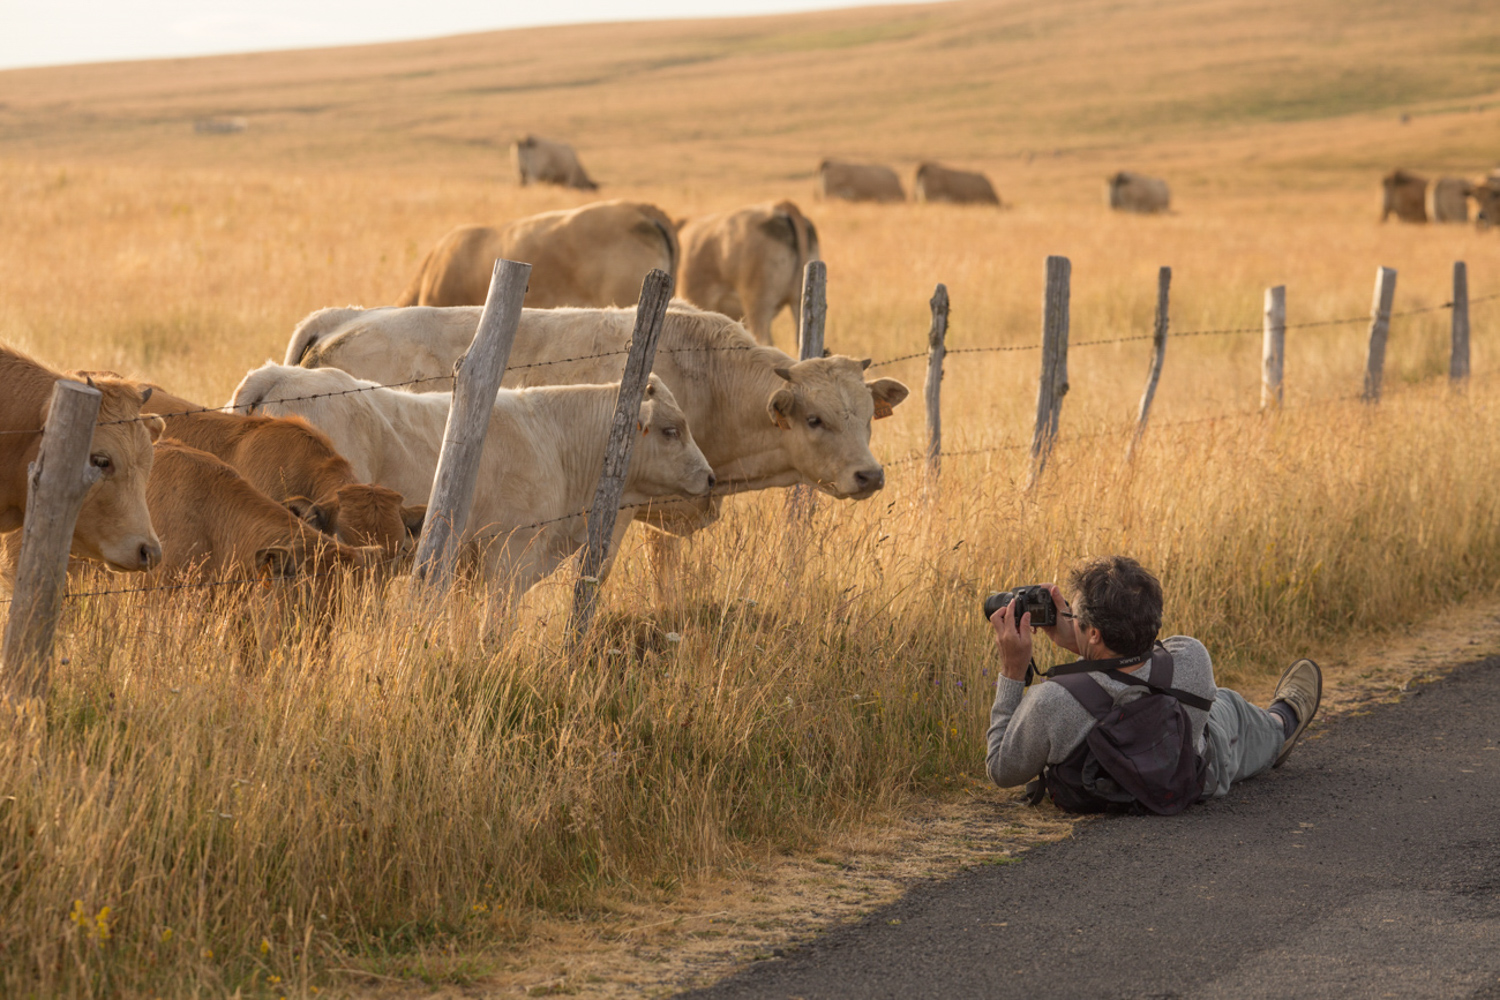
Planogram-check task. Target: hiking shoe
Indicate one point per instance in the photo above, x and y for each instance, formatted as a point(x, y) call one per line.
point(1301, 687)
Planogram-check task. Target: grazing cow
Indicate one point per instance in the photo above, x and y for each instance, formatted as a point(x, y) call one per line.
point(1487, 202)
point(543, 161)
point(748, 264)
point(214, 525)
point(939, 183)
point(1448, 199)
point(1405, 194)
point(859, 182)
point(295, 464)
point(539, 469)
point(114, 526)
point(762, 418)
point(1131, 192)
point(596, 255)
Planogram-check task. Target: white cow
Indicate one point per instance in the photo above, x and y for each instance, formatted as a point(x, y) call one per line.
point(762, 418)
point(541, 461)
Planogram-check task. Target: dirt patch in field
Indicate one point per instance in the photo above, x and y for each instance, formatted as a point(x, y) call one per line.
point(709, 929)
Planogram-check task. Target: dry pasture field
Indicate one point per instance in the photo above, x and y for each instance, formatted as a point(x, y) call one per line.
point(232, 804)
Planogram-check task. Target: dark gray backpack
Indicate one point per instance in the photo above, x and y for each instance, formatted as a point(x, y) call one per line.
point(1138, 755)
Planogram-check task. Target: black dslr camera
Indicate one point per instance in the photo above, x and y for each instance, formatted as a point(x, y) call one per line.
point(1035, 599)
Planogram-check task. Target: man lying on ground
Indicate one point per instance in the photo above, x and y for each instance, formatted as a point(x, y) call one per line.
point(1135, 723)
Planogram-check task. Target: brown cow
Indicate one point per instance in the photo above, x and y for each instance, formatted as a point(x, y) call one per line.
point(748, 264)
point(113, 526)
point(939, 183)
point(1127, 191)
point(595, 255)
point(543, 161)
point(215, 525)
point(1405, 194)
point(859, 182)
point(1487, 202)
point(295, 464)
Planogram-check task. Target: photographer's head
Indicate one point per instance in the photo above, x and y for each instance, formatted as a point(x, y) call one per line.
point(1122, 600)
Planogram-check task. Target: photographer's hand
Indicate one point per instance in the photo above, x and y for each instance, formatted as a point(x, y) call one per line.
point(1065, 632)
point(1013, 639)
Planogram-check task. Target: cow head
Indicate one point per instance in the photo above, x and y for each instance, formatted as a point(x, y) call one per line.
point(364, 514)
point(114, 526)
point(665, 460)
point(824, 412)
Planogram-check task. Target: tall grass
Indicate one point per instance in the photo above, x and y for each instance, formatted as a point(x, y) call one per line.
point(211, 812)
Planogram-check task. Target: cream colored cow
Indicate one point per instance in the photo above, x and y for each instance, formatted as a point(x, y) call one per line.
point(545, 161)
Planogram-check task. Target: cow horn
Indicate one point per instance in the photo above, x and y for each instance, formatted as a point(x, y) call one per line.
point(785, 373)
point(865, 363)
point(146, 394)
point(88, 380)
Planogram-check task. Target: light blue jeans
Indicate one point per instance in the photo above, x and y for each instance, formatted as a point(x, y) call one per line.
point(1243, 739)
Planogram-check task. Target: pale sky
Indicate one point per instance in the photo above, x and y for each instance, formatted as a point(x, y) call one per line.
point(49, 32)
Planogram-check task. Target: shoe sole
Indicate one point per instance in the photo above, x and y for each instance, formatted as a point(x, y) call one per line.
point(1302, 724)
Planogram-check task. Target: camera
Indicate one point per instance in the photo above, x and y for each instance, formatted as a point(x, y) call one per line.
point(1036, 599)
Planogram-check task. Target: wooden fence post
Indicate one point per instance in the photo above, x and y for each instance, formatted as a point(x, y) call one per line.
point(799, 500)
point(1380, 328)
point(474, 385)
point(937, 348)
point(1158, 356)
point(57, 483)
point(1273, 351)
point(1053, 384)
point(1458, 366)
point(650, 312)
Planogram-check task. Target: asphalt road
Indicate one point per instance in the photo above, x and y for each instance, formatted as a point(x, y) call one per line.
point(1367, 866)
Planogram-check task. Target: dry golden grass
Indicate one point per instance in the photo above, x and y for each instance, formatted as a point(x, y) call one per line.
point(412, 798)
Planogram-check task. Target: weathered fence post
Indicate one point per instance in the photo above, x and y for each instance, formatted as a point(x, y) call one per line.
point(799, 499)
point(1053, 384)
point(1458, 366)
point(57, 483)
point(474, 385)
point(937, 348)
point(650, 311)
point(1380, 328)
point(1273, 352)
point(1158, 356)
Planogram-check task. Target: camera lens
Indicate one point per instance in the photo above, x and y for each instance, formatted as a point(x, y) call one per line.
point(995, 602)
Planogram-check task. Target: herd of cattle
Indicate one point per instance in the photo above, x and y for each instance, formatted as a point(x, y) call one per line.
point(1410, 198)
point(547, 161)
point(317, 466)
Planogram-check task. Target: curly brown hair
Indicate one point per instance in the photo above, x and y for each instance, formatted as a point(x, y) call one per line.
point(1122, 599)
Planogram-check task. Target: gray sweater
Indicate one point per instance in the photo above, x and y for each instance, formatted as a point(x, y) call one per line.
point(1029, 733)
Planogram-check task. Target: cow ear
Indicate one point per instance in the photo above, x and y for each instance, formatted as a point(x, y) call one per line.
point(785, 373)
point(275, 562)
point(780, 408)
point(155, 427)
point(888, 394)
point(318, 516)
point(414, 518)
point(146, 393)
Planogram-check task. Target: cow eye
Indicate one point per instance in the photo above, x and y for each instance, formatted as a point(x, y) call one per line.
point(815, 421)
point(670, 433)
point(102, 463)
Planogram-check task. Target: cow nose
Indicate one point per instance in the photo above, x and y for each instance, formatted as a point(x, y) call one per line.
point(712, 480)
point(150, 554)
point(869, 479)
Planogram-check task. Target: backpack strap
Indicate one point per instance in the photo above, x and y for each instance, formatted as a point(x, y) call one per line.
point(1162, 670)
point(1087, 692)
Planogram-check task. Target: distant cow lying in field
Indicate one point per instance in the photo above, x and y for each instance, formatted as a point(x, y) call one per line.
point(596, 255)
point(748, 264)
point(114, 525)
point(295, 464)
point(544, 161)
point(1403, 194)
point(859, 182)
point(1126, 191)
point(939, 183)
point(541, 461)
